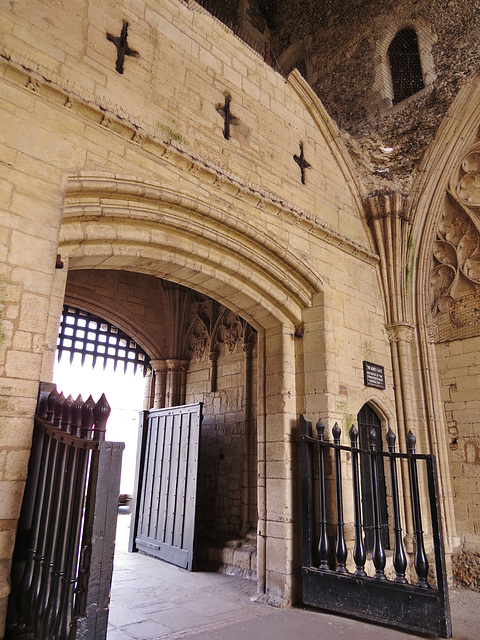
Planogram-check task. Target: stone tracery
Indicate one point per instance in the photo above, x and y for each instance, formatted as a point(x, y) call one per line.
point(212, 325)
point(455, 278)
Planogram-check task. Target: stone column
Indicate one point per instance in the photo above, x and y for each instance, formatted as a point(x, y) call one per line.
point(183, 380)
point(213, 355)
point(247, 518)
point(176, 381)
point(401, 336)
point(149, 392)
point(438, 435)
point(276, 502)
point(160, 370)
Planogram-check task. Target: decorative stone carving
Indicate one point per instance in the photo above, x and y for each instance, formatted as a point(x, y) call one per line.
point(210, 324)
point(401, 332)
point(230, 330)
point(432, 333)
point(467, 189)
point(199, 349)
point(455, 279)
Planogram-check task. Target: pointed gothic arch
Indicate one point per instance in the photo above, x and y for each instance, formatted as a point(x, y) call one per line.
point(178, 237)
point(420, 41)
point(370, 422)
point(443, 170)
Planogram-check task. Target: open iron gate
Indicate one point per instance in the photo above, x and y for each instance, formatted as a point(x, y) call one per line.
point(333, 583)
point(63, 560)
point(164, 502)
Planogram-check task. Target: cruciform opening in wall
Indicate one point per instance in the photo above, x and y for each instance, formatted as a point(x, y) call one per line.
point(302, 163)
point(122, 47)
point(227, 116)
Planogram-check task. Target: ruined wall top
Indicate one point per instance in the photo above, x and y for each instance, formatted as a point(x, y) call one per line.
point(341, 48)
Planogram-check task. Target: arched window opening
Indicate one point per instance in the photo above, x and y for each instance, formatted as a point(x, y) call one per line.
point(405, 65)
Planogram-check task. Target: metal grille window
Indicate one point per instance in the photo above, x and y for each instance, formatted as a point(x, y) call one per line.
point(82, 332)
point(405, 66)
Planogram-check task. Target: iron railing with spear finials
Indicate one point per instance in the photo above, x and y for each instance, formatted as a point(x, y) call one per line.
point(354, 581)
point(63, 558)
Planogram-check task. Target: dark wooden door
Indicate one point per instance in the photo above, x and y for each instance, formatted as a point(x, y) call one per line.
point(163, 517)
point(367, 420)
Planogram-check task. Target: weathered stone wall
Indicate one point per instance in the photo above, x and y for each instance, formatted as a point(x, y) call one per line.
point(346, 45)
point(459, 369)
point(228, 460)
point(132, 172)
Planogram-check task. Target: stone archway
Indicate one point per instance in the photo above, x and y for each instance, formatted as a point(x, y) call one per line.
point(444, 240)
point(123, 225)
point(199, 351)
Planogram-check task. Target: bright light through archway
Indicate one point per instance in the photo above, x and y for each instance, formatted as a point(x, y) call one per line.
point(124, 392)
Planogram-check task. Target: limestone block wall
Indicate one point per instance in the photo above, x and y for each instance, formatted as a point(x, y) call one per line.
point(132, 171)
point(187, 62)
point(227, 504)
point(459, 369)
point(134, 300)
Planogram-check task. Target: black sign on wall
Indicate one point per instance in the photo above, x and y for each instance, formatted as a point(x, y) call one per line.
point(373, 375)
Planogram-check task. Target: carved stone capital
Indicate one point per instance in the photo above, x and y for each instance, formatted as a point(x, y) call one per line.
point(385, 204)
point(432, 333)
point(401, 332)
point(174, 365)
point(247, 347)
point(159, 366)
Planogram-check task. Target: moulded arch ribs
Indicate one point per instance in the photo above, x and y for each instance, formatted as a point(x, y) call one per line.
point(377, 404)
point(91, 197)
point(256, 298)
point(456, 134)
point(225, 237)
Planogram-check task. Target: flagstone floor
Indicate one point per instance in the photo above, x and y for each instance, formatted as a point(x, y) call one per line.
point(153, 600)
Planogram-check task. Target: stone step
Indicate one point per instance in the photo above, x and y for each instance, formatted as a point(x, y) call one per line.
point(237, 556)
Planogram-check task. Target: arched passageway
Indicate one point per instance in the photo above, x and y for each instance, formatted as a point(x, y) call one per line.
point(249, 281)
point(199, 352)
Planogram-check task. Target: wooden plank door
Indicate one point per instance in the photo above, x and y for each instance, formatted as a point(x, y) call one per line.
point(163, 516)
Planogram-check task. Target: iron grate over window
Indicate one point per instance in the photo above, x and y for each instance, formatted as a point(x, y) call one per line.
point(405, 65)
point(93, 338)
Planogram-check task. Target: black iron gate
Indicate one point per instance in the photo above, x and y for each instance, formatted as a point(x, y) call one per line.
point(63, 560)
point(164, 502)
point(335, 581)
